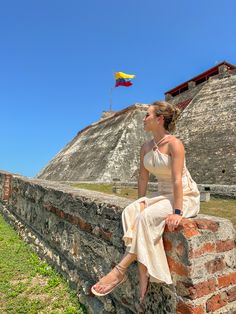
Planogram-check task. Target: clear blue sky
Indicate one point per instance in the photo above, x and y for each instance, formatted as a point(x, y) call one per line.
point(57, 59)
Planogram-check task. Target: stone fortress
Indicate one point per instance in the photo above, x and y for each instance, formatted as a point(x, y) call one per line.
point(79, 231)
point(207, 125)
point(109, 149)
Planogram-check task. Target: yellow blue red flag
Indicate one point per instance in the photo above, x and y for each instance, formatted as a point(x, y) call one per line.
point(123, 79)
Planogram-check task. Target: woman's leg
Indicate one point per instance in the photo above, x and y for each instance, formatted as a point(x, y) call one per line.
point(143, 280)
point(108, 282)
point(115, 276)
point(127, 259)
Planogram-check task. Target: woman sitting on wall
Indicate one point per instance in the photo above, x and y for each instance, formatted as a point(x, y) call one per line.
point(144, 220)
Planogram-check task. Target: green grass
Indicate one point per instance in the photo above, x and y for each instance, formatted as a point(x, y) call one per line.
point(128, 192)
point(225, 208)
point(29, 285)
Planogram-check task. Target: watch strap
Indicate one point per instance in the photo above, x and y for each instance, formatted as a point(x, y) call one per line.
point(178, 212)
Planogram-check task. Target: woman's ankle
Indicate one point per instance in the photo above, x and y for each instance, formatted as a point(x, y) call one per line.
point(143, 287)
point(121, 269)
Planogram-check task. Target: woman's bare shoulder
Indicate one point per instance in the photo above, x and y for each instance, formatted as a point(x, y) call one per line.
point(175, 140)
point(175, 144)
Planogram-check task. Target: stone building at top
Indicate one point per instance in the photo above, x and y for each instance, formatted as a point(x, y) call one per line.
point(207, 124)
point(109, 148)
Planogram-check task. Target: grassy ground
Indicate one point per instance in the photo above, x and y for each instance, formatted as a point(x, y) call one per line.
point(128, 192)
point(27, 284)
point(225, 208)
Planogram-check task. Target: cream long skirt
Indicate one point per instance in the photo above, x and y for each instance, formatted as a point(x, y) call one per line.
point(143, 235)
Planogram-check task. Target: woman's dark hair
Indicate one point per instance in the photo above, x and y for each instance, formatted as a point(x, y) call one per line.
point(169, 112)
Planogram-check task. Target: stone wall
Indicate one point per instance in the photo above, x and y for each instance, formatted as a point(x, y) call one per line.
point(188, 94)
point(224, 191)
point(106, 150)
point(79, 232)
point(207, 128)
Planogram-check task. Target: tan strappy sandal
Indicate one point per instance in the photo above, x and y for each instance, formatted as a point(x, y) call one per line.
point(122, 270)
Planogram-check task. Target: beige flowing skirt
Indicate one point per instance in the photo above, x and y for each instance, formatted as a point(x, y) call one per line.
point(143, 231)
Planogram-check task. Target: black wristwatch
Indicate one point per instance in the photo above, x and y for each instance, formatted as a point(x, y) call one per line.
point(178, 212)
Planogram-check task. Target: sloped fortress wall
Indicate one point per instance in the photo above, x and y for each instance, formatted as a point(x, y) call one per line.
point(109, 149)
point(79, 232)
point(106, 150)
point(208, 129)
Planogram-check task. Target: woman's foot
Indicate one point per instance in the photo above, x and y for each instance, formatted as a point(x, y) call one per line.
point(141, 308)
point(109, 282)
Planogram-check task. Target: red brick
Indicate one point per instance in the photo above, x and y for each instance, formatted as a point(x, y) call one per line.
point(189, 233)
point(205, 248)
point(216, 302)
point(227, 280)
point(105, 234)
point(167, 244)
point(62, 214)
point(207, 224)
point(231, 294)
point(199, 309)
point(215, 265)
point(178, 268)
point(7, 187)
point(202, 288)
point(76, 220)
point(223, 246)
point(73, 220)
point(184, 308)
point(180, 249)
point(187, 226)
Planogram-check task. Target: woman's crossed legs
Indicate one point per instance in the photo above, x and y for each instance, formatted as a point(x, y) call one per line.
point(117, 275)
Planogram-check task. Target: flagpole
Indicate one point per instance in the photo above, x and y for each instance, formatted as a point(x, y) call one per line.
point(111, 99)
point(110, 109)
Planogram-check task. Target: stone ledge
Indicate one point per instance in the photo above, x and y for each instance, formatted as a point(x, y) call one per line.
point(79, 232)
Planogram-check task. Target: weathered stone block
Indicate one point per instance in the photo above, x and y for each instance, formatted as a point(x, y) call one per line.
point(205, 196)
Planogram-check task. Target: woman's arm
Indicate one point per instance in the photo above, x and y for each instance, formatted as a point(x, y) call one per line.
point(143, 173)
point(177, 156)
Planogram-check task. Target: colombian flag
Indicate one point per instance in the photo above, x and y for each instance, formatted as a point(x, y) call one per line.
point(123, 79)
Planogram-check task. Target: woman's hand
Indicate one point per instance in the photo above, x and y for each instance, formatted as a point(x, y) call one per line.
point(142, 206)
point(173, 221)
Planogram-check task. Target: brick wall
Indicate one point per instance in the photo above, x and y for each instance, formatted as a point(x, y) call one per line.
point(79, 232)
